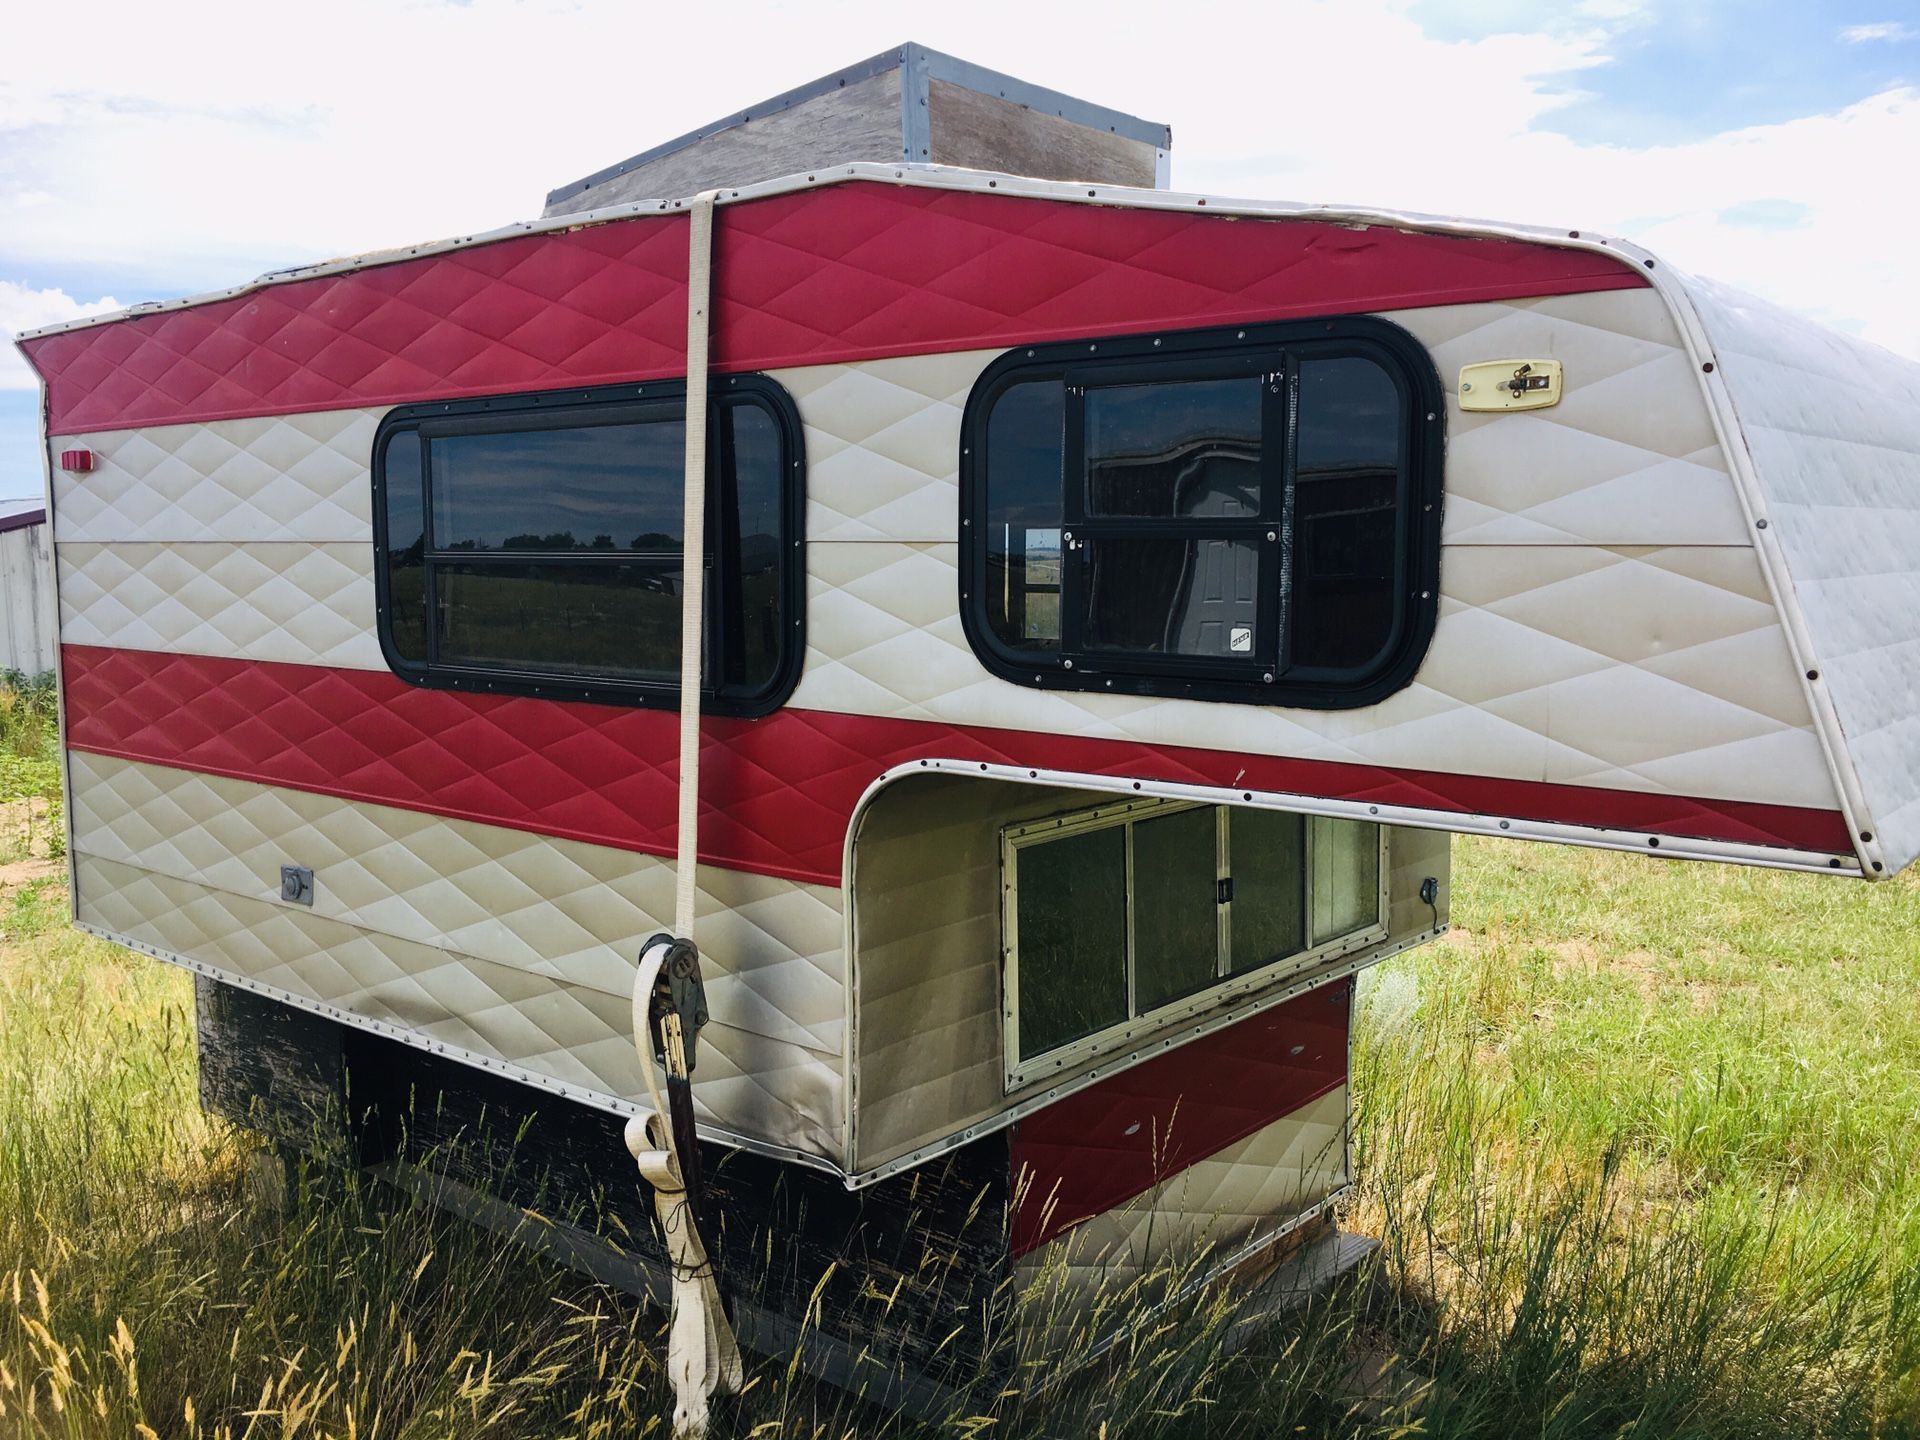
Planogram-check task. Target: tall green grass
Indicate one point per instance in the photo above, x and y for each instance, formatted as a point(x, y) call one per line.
point(31, 820)
point(1639, 1142)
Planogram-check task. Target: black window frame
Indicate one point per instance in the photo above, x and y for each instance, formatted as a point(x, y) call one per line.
point(1273, 350)
point(658, 400)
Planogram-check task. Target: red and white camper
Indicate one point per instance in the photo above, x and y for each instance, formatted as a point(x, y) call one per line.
point(1114, 599)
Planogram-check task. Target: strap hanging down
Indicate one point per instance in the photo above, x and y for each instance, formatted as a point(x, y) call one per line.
point(668, 1002)
point(693, 576)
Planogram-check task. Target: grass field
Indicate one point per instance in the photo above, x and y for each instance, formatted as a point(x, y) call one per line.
point(1642, 1140)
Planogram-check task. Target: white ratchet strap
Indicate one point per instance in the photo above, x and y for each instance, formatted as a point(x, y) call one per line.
point(702, 1355)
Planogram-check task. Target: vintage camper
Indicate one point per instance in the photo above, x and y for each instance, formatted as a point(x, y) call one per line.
point(1108, 601)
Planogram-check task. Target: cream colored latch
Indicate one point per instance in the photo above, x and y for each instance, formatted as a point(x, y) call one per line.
point(1510, 385)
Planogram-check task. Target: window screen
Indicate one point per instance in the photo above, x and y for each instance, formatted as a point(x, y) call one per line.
point(1123, 918)
point(1246, 515)
point(536, 544)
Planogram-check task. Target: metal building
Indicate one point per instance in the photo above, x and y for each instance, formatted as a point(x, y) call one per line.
point(26, 587)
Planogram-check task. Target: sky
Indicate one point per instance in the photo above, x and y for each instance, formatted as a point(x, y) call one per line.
point(150, 151)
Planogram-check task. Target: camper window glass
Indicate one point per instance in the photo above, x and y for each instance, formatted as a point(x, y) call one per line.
point(1022, 571)
point(406, 546)
point(588, 487)
point(1126, 918)
point(1243, 515)
point(534, 544)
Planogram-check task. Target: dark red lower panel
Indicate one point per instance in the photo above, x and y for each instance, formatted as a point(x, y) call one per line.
point(1119, 1138)
point(776, 794)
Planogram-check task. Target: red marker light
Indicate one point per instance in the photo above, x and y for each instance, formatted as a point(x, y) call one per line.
point(77, 461)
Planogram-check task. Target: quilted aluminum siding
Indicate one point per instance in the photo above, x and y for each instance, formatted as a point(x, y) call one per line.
point(1183, 1229)
point(248, 538)
point(497, 946)
point(1604, 620)
point(1832, 426)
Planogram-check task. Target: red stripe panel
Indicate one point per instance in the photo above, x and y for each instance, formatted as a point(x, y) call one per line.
point(840, 273)
point(535, 312)
point(776, 794)
point(1122, 1136)
point(861, 270)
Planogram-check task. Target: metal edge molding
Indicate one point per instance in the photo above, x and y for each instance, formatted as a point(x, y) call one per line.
point(934, 177)
point(1457, 821)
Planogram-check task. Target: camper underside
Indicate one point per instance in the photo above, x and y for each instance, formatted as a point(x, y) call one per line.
point(986, 1270)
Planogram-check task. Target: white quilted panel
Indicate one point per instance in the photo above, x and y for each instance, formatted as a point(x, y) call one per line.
point(1660, 669)
point(883, 444)
point(476, 918)
point(281, 477)
point(1207, 1210)
point(1833, 426)
point(299, 603)
point(1628, 457)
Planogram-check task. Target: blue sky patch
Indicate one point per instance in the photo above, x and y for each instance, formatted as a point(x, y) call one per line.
point(1689, 72)
point(21, 474)
point(1771, 214)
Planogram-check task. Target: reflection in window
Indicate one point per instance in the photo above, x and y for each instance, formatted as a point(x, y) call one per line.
point(1172, 597)
point(1238, 520)
point(753, 540)
point(554, 549)
point(618, 620)
point(1023, 518)
point(1136, 912)
point(606, 487)
point(1270, 888)
point(1175, 906)
point(1346, 494)
point(1186, 449)
point(1346, 875)
point(406, 548)
point(1073, 925)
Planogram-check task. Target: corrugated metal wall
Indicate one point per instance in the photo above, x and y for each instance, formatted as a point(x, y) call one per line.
point(26, 598)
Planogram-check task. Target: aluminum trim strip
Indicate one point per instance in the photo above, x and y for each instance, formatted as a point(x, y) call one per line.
point(936, 177)
point(1459, 822)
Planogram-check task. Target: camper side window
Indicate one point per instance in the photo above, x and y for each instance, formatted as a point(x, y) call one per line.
point(534, 544)
point(1248, 515)
point(1124, 919)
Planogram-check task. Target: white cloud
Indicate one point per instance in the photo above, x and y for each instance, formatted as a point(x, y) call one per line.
point(1881, 31)
point(25, 309)
point(201, 154)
